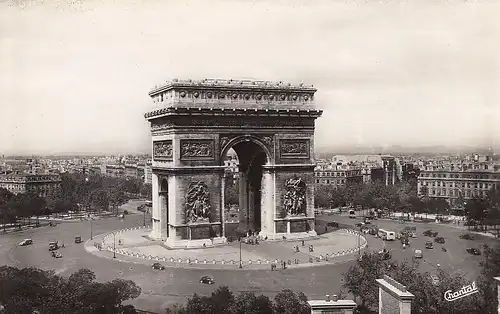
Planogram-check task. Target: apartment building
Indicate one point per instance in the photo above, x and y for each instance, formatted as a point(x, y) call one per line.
point(42, 185)
point(452, 180)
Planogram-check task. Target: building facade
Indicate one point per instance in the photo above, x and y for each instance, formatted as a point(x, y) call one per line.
point(470, 178)
point(42, 185)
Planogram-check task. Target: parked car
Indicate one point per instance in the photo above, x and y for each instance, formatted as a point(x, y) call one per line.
point(467, 236)
point(26, 242)
point(373, 231)
point(158, 266)
point(439, 240)
point(78, 239)
point(367, 221)
point(207, 280)
point(360, 224)
point(429, 245)
point(418, 254)
point(474, 251)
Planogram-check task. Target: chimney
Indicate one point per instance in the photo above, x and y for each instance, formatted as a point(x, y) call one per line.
point(327, 298)
point(335, 298)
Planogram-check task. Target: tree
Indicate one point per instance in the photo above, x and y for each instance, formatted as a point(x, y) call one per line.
point(428, 296)
point(476, 210)
point(32, 289)
point(287, 302)
point(360, 278)
point(248, 303)
point(147, 191)
point(322, 196)
point(5, 196)
point(231, 193)
point(99, 198)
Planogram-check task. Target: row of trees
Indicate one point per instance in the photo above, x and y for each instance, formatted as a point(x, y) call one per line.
point(484, 211)
point(32, 290)
point(360, 281)
point(78, 191)
point(402, 197)
point(223, 301)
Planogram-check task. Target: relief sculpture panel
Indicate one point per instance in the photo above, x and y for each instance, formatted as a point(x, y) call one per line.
point(198, 207)
point(162, 150)
point(294, 148)
point(294, 200)
point(197, 149)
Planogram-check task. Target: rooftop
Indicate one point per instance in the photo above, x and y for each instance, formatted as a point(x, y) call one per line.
point(232, 97)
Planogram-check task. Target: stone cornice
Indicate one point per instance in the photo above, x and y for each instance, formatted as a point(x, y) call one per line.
point(187, 169)
point(292, 167)
point(237, 85)
point(313, 113)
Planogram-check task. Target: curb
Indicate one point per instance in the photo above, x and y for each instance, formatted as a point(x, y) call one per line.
point(193, 262)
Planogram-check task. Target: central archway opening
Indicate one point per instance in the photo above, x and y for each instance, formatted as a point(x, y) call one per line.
point(242, 192)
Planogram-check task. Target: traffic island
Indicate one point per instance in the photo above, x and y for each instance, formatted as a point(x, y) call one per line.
point(331, 248)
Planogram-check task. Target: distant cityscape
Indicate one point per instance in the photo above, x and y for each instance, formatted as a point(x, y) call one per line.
point(452, 177)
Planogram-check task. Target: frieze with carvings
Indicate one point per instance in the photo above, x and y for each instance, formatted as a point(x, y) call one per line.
point(162, 149)
point(294, 148)
point(203, 149)
point(242, 122)
point(294, 200)
point(198, 207)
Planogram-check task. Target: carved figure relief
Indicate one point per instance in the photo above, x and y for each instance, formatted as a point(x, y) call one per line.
point(197, 202)
point(268, 140)
point(197, 149)
point(162, 150)
point(295, 197)
point(294, 148)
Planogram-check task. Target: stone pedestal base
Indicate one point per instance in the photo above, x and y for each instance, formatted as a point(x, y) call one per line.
point(155, 235)
point(289, 236)
point(195, 244)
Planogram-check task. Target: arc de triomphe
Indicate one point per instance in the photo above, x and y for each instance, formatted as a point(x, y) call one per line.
point(270, 125)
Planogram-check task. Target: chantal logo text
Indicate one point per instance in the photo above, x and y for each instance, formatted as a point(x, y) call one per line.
point(465, 291)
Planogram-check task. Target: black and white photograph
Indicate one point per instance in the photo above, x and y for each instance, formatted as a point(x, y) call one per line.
point(249, 157)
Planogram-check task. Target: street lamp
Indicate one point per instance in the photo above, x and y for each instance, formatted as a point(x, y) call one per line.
point(114, 244)
point(91, 238)
point(241, 266)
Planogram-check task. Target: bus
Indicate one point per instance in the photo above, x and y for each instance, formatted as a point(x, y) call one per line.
point(386, 235)
point(352, 214)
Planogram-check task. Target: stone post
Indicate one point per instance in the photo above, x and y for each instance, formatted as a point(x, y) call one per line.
point(155, 210)
point(393, 297)
point(223, 205)
point(332, 305)
point(267, 203)
point(497, 279)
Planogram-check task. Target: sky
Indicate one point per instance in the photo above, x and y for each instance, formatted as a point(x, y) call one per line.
point(75, 75)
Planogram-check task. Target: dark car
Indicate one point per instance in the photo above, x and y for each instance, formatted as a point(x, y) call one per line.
point(333, 224)
point(439, 240)
point(429, 245)
point(430, 233)
point(367, 221)
point(467, 236)
point(158, 266)
point(207, 280)
point(373, 231)
point(474, 251)
point(359, 224)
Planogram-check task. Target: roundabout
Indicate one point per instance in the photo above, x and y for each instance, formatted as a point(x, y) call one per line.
point(179, 281)
point(133, 243)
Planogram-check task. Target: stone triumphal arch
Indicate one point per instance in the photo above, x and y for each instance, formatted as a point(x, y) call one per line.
point(270, 125)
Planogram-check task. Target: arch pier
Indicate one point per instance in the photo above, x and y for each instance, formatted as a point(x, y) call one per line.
point(269, 125)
